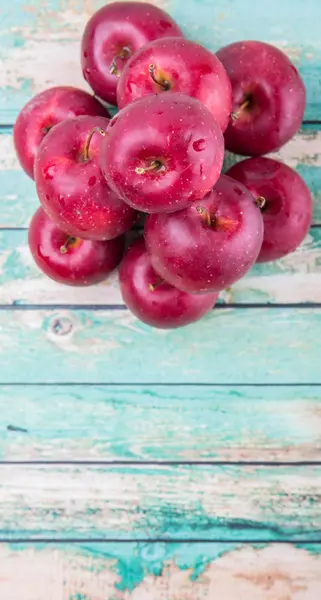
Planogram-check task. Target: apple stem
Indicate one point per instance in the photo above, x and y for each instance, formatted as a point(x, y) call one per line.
point(163, 83)
point(235, 115)
point(260, 202)
point(69, 241)
point(156, 165)
point(153, 286)
point(205, 214)
point(89, 138)
point(125, 53)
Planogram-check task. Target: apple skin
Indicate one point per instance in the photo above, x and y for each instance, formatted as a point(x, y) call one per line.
point(71, 261)
point(164, 306)
point(264, 76)
point(185, 67)
point(72, 190)
point(197, 257)
point(115, 29)
point(189, 151)
point(287, 212)
point(44, 111)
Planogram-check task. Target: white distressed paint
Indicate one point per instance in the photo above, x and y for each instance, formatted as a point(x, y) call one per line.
point(30, 62)
point(8, 158)
point(55, 574)
point(299, 281)
point(47, 45)
point(129, 501)
point(277, 572)
point(304, 148)
point(277, 289)
point(272, 573)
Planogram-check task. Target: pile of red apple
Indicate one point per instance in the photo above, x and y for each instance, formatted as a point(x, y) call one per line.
point(162, 154)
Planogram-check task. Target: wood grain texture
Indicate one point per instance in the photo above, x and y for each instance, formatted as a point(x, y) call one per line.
point(18, 198)
point(160, 423)
point(186, 502)
point(32, 39)
point(144, 422)
point(264, 345)
point(294, 279)
point(160, 571)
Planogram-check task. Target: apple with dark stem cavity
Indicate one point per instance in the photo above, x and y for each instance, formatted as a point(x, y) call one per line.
point(210, 245)
point(71, 186)
point(113, 34)
point(286, 203)
point(162, 152)
point(154, 301)
point(178, 65)
point(44, 111)
point(268, 97)
point(71, 260)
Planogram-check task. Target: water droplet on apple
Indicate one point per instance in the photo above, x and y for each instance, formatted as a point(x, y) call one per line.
point(49, 172)
point(199, 145)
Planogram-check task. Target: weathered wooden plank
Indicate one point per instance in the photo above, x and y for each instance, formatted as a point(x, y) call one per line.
point(18, 198)
point(264, 345)
point(41, 48)
point(160, 571)
point(21, 282)
point(293, 279)
point(186, 502)
point(195, 423)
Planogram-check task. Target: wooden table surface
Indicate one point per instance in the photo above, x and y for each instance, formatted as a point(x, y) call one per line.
point(139, 464)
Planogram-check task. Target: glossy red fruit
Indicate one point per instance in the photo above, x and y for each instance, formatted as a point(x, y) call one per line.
point(178, 65)
point(154, 301)
point(44, 111)
point(71, 186)
point(71, 260)
point(113, 34)
point(287, 203)
point(162, 152)
point(210, 245)
point(268, 97)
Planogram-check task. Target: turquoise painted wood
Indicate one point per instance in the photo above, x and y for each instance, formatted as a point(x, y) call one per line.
point(161, 570)
point(185, 423)
point(235, 530)
point(51, 36)
point(233, 346)
point(153, 502)
point(18, 198)
point(294, 279)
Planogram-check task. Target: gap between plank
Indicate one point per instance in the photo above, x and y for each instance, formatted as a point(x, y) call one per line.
point(80, 541)
point(159, 384)
point(138, 228)
point(160, 463)
point(105, 307)
point(9, 126)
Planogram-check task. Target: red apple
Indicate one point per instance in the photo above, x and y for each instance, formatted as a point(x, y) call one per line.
point(162, 152)
point(154, 301)
point(210, 245)
point(44, 111)
point(178, 65)
point(71, 186)
point(268, 97)
point(113, 34)
point(286, 203)
point(71, 260)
